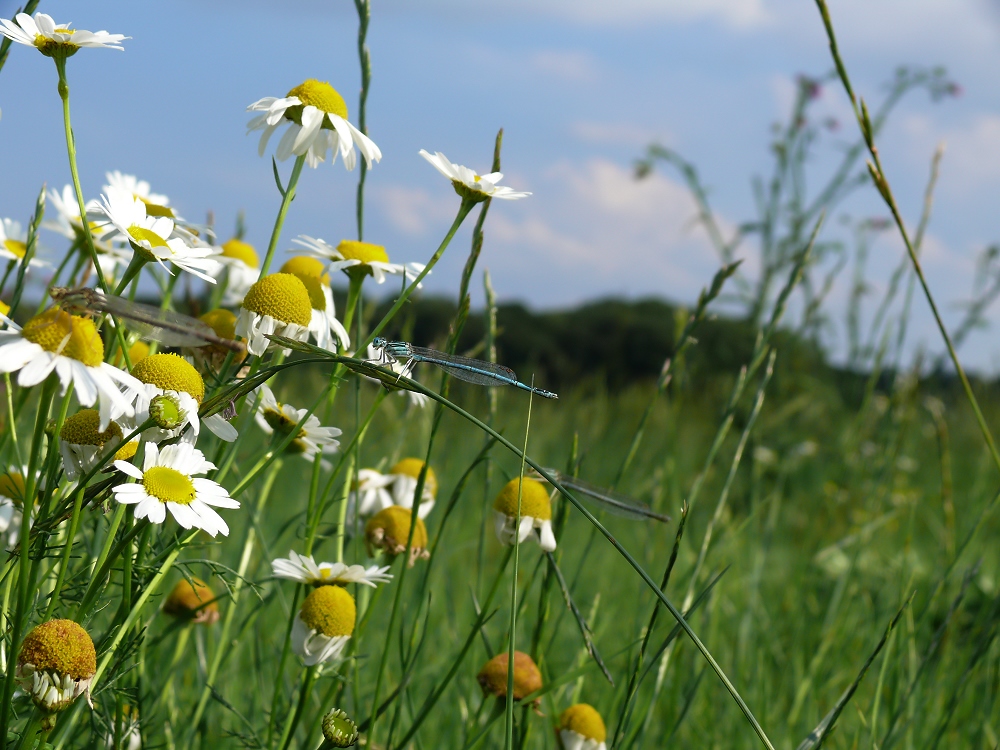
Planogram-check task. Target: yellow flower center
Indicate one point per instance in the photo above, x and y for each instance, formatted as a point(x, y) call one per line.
point(4, 308)
point(82, 429)
point(16, 247)
point(283, 425)
point(69, 335)
point(283, 296)
point(139, 234)
point(222, 321)
point(320, 95)
point(155, 209)
point(168, 485)
point(329, 610)
point(60, 646)
point(535, 501)
point(171, 372)
point(366, 252)
point(127, 451)
point(53, 47)
point(411, 467)
point(394, 522)
point(138, 350)
point(583, 719)
point(240, 250)
point(12, 486)
point(310, 272)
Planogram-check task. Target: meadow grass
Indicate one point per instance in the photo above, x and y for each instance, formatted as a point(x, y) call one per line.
point(827, 578)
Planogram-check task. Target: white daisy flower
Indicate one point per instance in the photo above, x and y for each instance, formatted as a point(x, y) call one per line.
point(70, 346)
point(324, 326)
point(82, 444)
point(277, 304)
point(56, 664)
point(67, 223)
point(172, 393)
point(167, 482)
point(241, 268)
point(536, 514)
point(316, 116)
point(50, 38)
point(157, 204)
point(324, 625)
point(365, 257)
point(151, 236)
point(273, 416)
point(470, 185)
point(14, 243)
point(304, 569)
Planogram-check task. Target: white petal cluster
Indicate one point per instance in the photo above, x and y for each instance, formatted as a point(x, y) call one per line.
point(41, 29)
point(539, 530)
point(188, 461)
point(315, 647)
point(304, 569)
point(486, 184)
point(323, 250)
point(310, 138)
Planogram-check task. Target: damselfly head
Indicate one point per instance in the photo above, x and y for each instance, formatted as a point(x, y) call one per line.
point(379, 343)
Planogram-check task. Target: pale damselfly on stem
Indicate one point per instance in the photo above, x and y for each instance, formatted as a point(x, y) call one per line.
point(613, 502)
point(470, 370)
point(167, 327)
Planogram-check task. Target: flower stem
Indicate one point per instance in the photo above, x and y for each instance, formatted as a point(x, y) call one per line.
point(512, 637)
point(463, 211)
point(308, 679)
point(25, 590)
point(222, 647)
point(286, 200)
point(364, 58)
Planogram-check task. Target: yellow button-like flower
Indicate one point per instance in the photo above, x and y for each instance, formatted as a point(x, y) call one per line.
point(56, 664)
point(324, 624)
point(171, 372)
point(536, 514)
point(192, 599)
point(277, 304)
point(527, 677)
point(581, 728)
point(390, 528)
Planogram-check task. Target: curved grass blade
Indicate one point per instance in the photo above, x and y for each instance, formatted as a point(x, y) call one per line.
point(818, 735)
point(614, 502)
point(585, 631)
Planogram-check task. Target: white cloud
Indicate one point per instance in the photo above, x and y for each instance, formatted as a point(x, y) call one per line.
point(568, 65)
point(738, 13)
point(972, 149)
point(593, 229)
point(412, 210)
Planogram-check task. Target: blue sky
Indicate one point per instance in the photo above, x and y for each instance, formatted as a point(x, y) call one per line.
point(580, 86)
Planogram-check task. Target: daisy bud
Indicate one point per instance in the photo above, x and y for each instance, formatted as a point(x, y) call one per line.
point(389, 529)
point(56, 664)
point(192, 600)
point(536, 514)
point(527, 678)
point(338, 729)
point(167, 412)
point(581, 728)
point(324, 625)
